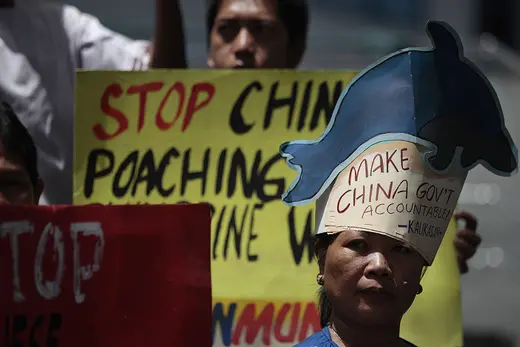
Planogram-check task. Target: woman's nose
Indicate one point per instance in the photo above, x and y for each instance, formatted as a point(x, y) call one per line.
point(377, 266)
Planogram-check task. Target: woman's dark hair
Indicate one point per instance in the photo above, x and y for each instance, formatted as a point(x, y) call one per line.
point(294, 14)
point(321, 244)
point(18, 143)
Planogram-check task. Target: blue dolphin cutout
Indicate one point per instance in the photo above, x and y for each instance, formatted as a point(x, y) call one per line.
point(435, 97)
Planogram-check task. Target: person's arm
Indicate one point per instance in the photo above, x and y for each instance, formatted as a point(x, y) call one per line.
point(168, 47)
point(96, 47)
point(99, 48)
point(466, 240)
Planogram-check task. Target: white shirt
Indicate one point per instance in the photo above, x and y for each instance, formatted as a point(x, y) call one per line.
point(41, 46)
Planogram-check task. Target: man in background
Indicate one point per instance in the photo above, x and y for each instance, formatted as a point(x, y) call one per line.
point(253, 34)
point(20, 183)
point(41, 46)
point(256, 33)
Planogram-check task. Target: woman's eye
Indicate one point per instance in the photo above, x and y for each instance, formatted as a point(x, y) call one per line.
point(402, 249)
point(357, 245)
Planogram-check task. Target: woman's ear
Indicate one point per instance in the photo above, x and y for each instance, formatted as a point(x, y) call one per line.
point(320, 279)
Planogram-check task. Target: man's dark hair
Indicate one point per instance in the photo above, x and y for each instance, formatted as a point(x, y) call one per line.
point(18, 143)
point(294, 14)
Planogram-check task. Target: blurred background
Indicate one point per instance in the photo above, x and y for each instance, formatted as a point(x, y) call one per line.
point(349, 34)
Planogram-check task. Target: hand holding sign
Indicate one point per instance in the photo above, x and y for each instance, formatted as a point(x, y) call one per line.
point(467, 240)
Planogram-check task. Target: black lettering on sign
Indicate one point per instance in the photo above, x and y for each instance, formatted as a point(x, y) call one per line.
point(217, 231)
point(22, 331)
point(54, 326)
point(322, 107)
point(256, 181)
point(238, 164)
point(131, 173)
point(146, 173)
point(236, 231)
point(37, 324)
point(189, 174)
point(276, 102)
point(94, 159)
point(19, 326)
point(277, 183)
point(232, 225)
point(159, 175)
point(432, 192)
point(130, 162)
point(324, 104)
point(220, 171)
point(306, 242)
point(304, 108)
point(236, 119)
point(142, 171)
point(252, 236)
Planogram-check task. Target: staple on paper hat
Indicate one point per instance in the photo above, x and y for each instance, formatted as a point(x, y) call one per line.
point(402, 138)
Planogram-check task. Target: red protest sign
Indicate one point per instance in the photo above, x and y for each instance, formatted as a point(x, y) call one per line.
point(101, 276)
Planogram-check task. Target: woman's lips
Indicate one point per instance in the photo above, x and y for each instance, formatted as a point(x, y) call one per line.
point(377, 291)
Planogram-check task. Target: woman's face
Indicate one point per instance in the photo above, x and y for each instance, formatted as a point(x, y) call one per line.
point(371, 279)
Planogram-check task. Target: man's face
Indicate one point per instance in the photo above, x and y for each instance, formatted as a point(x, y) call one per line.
point(15, 184)
point(248, 34)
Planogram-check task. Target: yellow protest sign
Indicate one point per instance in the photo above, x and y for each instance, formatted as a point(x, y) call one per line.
point(214, 136)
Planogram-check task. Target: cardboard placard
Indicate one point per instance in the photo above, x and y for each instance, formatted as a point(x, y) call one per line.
point(105, 276)
point(214, 136)
point(389, 190)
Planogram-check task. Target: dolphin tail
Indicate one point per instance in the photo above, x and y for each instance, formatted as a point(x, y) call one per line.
point(301, 157)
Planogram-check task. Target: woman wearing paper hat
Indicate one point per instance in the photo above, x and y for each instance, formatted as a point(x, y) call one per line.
point(386, 176)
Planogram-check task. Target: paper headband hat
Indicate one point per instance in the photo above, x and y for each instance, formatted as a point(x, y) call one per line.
point(401, 140)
